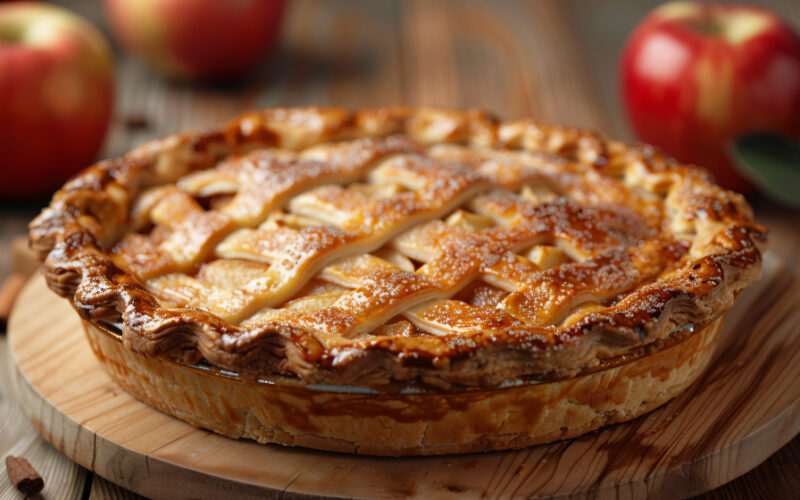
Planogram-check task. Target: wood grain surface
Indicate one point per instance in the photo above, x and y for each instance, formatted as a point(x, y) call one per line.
point(552, 60)
point(744, 408)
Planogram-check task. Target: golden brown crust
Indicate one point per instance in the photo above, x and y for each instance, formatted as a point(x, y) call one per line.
point(659, 246)
point(426, 423)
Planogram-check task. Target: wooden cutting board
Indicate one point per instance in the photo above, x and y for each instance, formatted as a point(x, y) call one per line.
point(744, 408)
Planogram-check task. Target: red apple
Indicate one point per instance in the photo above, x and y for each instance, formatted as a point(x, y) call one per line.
point(200, 39)
point(695, 76)
point(56, 94)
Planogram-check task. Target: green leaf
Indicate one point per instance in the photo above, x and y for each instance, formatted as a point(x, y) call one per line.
point(772, 162)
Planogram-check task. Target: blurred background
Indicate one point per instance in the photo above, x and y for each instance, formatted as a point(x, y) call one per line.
point(553, 60)
point(556, 61)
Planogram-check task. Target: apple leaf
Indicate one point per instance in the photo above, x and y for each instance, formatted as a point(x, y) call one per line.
point(772, 162)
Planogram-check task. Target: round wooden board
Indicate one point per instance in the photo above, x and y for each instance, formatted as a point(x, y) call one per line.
point(743, 409)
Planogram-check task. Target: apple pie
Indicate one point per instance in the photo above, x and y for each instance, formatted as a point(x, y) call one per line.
point(398, 281)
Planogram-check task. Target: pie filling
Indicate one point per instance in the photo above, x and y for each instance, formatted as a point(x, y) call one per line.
point(386, 246)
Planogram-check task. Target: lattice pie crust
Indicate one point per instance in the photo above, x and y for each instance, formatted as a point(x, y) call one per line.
point(395, 248)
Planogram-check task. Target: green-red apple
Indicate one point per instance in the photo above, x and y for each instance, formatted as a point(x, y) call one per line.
point(697, 75)
point(196, 39)
point(56, 97)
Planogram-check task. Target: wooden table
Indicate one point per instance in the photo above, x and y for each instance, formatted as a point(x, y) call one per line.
point(552, 60)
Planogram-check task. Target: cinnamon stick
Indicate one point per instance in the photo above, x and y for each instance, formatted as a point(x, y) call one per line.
point(23, 475)
point(23, 259)
point(9, 290)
